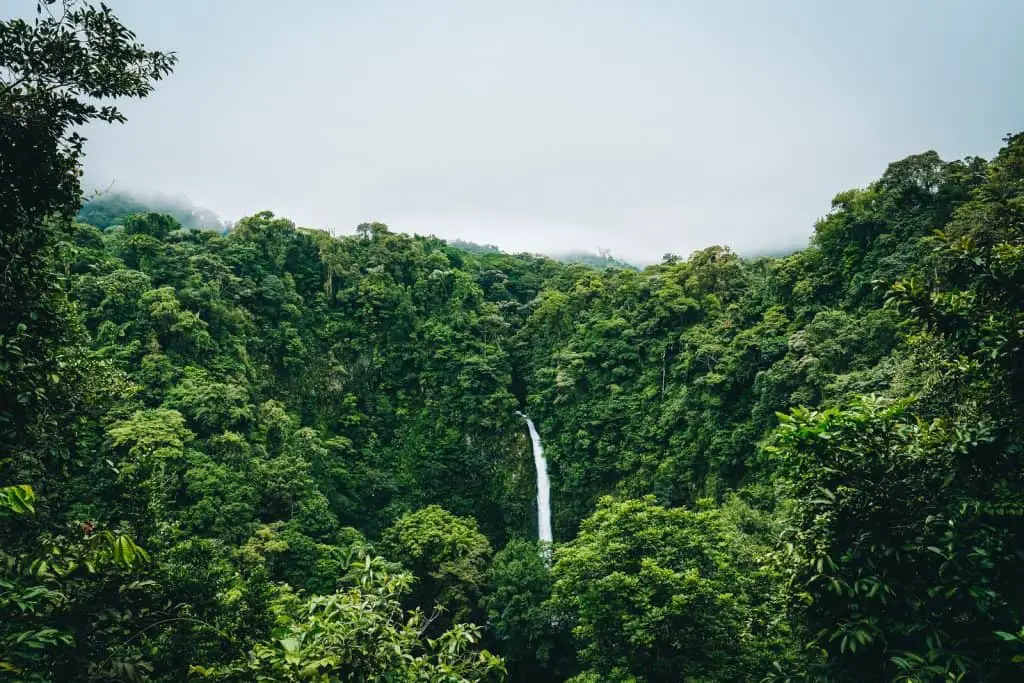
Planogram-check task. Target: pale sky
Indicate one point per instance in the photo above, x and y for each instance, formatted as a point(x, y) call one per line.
point(640, 126)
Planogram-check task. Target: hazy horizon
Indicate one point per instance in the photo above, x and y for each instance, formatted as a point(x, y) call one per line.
point(645, 128)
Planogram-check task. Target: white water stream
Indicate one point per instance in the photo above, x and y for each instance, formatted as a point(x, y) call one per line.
point(543, 486)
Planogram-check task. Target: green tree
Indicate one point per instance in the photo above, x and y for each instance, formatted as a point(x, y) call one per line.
point(448, 556)
point(661, 594)
point(57, 73)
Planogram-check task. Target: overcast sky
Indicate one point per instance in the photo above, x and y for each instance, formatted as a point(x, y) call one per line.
point(640, 126)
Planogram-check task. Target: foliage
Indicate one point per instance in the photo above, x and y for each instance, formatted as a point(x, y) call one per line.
point(360, 633)
point(57, 580)
point(522, 619)
point(447, 554)
point(901, 553)
point(659, 594)
point(65, 582)
point(906, 530)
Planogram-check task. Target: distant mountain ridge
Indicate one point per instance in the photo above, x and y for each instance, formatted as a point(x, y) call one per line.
point(601, 259)
point(111, 208)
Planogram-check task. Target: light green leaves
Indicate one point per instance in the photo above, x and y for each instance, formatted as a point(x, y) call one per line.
point(17, 500)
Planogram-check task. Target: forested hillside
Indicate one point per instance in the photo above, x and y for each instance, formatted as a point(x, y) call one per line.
point(109, 208)
point(269, 453)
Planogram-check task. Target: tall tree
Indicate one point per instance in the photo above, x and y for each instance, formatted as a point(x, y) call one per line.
point(58, 72)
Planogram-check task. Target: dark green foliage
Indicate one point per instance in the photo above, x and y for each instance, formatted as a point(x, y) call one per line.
point(906, 557)
point(662, 594)
point(58, 577)
point(536, 646)
point(360, 633)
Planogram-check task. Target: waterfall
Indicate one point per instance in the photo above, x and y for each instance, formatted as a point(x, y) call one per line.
point(543, 486)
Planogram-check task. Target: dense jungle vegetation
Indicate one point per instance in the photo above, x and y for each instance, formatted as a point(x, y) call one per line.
point(272, 454)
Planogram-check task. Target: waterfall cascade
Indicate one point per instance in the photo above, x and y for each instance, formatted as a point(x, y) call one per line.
point(543, 486)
